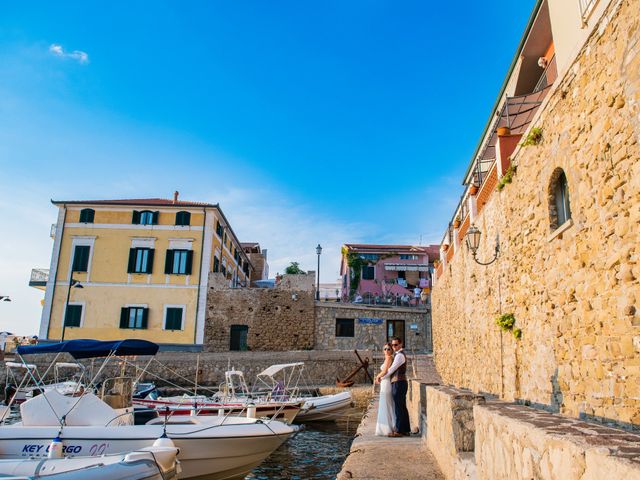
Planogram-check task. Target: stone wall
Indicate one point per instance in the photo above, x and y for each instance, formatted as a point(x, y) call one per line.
point(179, 368)
point(368, 335)
point(514, 442)
point(451, 429)
point(279, 319)
point(575, 295)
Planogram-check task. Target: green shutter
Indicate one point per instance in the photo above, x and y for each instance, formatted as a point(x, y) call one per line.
point(155, 218)
point(150, 261)
point(131, 268)
point(189, 262)
point(168, 263)
point(124, 317)
point(145, 317)
point(136, 217)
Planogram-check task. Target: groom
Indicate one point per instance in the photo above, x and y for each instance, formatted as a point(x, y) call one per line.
point(398, 372)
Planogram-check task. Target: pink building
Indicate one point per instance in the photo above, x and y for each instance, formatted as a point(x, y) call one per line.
point(387, 274)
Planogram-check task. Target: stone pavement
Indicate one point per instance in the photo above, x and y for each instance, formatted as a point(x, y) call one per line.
point(373, 457)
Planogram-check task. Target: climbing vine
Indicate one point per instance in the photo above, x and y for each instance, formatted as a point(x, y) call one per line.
point(533, 138)
point(355, 263)
point(507, 322)
point(507, 177)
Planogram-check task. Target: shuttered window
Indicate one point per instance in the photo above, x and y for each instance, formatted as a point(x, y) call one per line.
point(183, 218)
point(81, 258)
point(134, 317)
point(73, 316)
point(216, 264)
point(140, 260)
point(174, 318)
point(145, 217)
point(345, 327)
point(219, 229)
point(178, 262)
point(87, 215)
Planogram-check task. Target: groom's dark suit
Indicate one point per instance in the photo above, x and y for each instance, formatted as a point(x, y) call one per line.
point(399, 388)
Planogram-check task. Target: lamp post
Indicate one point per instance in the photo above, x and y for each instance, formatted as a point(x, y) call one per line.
point(318, 251)
point(5, 298)
point(75, 284)
point(473, 243)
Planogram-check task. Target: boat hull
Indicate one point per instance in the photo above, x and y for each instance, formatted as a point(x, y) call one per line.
point(284, 412)
point(325, 408)
point(216, 451)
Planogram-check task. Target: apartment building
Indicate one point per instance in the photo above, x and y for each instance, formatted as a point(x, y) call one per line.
point(137, 268)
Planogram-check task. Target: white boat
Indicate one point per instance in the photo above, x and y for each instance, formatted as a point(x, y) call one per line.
point(233, 398)
point(283, 381)
point(152, 463)
point(18, 390)
point(212, 447)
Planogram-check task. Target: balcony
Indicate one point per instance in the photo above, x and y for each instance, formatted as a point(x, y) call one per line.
point(39, 278)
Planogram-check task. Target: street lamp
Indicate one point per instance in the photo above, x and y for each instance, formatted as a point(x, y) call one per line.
point(473, 243)
point(318, 251)
point(75, 284)
point(5, 298)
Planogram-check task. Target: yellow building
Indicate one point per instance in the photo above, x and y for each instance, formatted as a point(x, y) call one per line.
point(137, 269)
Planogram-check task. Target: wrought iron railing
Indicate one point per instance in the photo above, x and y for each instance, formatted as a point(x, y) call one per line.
point(586, 6)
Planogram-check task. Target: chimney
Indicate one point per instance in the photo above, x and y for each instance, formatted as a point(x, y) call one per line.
point(175, 196)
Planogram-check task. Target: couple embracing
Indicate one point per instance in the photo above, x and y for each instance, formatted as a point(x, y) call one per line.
point(393, 416)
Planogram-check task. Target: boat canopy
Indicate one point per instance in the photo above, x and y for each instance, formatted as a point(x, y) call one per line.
point(273, 369)
point(93, 348)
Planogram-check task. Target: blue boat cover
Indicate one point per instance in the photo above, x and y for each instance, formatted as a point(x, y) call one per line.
point(93, 348)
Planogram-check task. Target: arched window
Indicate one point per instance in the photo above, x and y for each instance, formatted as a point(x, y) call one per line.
point(183, 218)
point(559, 204)
point(87, 215)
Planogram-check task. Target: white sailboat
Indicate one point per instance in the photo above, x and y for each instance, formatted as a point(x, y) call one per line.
point(91, 425)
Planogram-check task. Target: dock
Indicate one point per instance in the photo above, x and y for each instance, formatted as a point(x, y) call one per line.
point(373, 457)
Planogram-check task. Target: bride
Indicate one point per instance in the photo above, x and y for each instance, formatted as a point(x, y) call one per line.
point(386, 415)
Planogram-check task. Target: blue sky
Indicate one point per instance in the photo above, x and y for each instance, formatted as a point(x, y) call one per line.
point(310, 122)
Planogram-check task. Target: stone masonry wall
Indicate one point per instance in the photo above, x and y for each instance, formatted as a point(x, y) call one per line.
point(279, 319)
point(576, 296)
point(368, 336)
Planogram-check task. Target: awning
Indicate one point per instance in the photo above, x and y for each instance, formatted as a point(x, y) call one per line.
point(273, 369)
point(403, 267)
point(93, 348)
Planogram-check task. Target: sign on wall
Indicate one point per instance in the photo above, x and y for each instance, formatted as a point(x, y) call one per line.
point(371, 321)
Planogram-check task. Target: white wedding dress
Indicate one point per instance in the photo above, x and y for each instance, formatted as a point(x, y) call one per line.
point(386, 415)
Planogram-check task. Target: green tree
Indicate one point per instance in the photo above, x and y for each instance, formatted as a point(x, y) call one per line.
point(294, 269)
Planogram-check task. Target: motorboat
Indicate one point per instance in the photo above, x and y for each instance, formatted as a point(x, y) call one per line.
point(232, 398)
point(283, 382)
point(18, 388)
point(149, 463)
point(94, 424)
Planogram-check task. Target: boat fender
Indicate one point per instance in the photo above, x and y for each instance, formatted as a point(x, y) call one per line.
point(55, 448)
point(251, 410)
point(194, 412)
point(164, 441)
point(221, 412)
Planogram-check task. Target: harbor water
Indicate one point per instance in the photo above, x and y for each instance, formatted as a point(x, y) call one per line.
point(317, 452)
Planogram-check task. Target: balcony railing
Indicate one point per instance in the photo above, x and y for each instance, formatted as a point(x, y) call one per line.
point(39, 277)
point(586, 6)
point(389, 301)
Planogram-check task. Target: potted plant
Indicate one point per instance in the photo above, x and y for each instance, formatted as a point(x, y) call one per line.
point(473, 189)
point(456, 222)
point(504, 131)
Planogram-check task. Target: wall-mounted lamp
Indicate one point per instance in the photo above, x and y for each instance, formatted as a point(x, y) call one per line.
point(473, 243)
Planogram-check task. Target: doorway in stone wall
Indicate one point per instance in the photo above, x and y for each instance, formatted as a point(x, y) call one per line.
point(395, 328)
point(238, 339)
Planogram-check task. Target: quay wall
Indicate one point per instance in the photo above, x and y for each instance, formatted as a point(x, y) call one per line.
point(179, 368)
point(575, 293)
point(472, 438)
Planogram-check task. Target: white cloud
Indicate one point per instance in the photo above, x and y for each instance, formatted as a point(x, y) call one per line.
point(78, 55)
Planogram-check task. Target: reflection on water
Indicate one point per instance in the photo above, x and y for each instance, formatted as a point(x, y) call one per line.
point(315, 453)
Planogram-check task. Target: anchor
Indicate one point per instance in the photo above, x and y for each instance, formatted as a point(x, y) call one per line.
point(364, 365)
